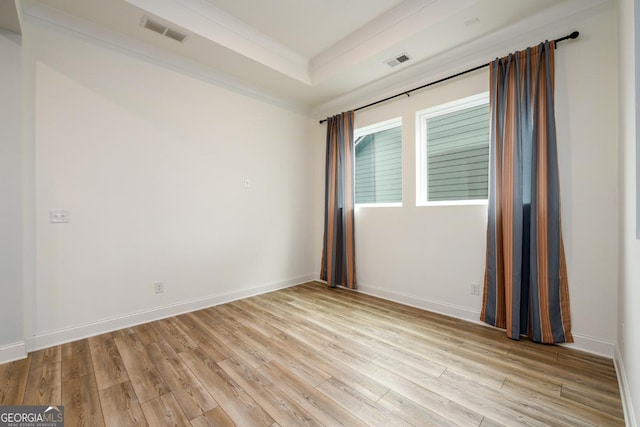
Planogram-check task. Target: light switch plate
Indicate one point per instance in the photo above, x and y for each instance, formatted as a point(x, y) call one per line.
point(57, 216)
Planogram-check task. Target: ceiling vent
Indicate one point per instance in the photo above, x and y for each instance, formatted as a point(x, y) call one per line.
point(163, 29)
point(397, 60)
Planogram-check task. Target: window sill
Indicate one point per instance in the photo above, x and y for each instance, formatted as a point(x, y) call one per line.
point(378, 205)
point(455, 203)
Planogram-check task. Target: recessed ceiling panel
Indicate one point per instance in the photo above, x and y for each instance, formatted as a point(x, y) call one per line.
point(306, 26)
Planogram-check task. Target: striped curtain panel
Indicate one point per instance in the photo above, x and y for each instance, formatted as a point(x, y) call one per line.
point(338, 254)
point(525, 287)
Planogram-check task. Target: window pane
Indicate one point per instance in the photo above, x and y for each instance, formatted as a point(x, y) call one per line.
point(458, 155)
point(379, 167)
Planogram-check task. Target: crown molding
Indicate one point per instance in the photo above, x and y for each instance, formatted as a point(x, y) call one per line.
point(550, 23)
point(206, 20)
point(90, 32)
point(403, 21)
point(406, 19)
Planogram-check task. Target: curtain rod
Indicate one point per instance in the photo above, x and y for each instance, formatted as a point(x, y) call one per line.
point(573, 35)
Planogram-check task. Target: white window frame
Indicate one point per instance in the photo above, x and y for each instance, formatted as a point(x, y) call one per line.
point(421, 147)
point(366, 130)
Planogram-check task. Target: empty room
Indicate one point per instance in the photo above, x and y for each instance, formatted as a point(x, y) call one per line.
point(304, 212)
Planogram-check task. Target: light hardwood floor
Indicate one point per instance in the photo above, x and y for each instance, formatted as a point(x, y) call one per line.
point(310, 355)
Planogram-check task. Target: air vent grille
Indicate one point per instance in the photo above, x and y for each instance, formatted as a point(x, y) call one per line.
point(176, 35)
point(397, 60)
point(163, 29)
point(154, 26)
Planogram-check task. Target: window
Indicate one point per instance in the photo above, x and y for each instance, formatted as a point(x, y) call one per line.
point(453, 152)
point(378, 170)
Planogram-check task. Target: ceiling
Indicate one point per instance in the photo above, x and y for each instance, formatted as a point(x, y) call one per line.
point(302, 51)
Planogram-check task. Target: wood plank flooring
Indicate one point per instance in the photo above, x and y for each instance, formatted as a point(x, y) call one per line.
point(310, 355)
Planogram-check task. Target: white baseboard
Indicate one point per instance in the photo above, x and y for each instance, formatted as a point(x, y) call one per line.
point(61, 336)
point(625, 393)
point(594, 345)
point(586, 343)
point(12, 352)
point(440, 307)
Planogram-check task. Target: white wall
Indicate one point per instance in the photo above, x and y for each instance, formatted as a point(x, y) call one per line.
point(151, 163)
point(429, 256)
point(11, 329)
point(587, 115)
point(424, 256)
point(628, 343)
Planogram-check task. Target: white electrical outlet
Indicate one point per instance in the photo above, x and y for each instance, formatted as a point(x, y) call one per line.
point(158, 287)
point(57, 216)
point(247, 183)
point(475, 289)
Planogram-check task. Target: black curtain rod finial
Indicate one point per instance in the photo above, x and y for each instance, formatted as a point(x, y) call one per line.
point(571, 36)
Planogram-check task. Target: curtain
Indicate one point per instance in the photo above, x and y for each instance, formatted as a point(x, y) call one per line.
point(525, 286)
point(338, 266)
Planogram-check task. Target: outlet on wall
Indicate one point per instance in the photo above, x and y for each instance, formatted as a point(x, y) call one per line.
point(475, 289)
point(158, 287)
point(57, 216)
